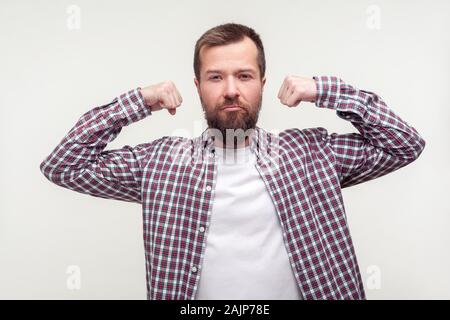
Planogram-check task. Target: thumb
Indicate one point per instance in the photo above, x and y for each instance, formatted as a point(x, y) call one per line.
point(172, 111)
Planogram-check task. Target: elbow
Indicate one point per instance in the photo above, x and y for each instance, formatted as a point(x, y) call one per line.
point(419, 147)
point(58, 173)
point(414, 150)
point(44, 167)
point(408, 150)
point(49, 171)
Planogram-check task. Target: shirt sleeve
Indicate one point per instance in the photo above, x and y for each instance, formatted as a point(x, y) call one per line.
point(80, 163)
point(384, 143)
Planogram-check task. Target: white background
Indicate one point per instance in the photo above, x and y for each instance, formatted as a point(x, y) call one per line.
point(51, 74)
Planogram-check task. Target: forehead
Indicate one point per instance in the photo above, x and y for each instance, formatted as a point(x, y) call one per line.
point(242, 54)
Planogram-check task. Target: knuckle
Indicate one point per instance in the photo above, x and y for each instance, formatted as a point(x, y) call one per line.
point(166, 86)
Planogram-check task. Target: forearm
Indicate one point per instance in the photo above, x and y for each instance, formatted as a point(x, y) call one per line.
point(88, 138)
point(369, 114)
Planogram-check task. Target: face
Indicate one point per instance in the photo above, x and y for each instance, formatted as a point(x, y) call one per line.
point(230, 86)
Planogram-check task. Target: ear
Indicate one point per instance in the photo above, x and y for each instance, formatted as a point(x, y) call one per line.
point(263, 83)
point(197, 84)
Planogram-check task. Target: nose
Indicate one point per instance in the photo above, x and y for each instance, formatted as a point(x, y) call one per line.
point(231, 89)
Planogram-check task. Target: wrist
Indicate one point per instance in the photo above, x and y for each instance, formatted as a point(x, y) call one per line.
point(145, 96)
point(314, 90)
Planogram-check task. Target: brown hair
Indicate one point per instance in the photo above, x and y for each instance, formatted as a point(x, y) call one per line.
point(226, 34)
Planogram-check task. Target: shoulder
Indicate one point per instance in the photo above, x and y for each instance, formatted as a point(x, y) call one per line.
point(308, 137)
point(163, 145)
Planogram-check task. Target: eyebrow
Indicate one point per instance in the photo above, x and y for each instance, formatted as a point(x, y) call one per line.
point(240, 70)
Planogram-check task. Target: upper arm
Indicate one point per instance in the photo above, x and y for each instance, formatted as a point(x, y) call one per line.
point(113, 174)
point(356, 160)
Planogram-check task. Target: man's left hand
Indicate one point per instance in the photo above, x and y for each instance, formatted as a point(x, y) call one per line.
point(296, 89)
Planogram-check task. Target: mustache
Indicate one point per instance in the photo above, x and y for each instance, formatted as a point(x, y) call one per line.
point(231, 103)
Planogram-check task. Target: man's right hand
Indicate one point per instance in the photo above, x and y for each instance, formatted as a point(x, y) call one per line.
point(163, 95)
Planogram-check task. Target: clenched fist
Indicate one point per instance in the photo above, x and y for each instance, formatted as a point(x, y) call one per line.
point(162, 95)
point(296, 89)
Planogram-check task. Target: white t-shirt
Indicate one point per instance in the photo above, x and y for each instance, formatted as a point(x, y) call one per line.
point(245, 255)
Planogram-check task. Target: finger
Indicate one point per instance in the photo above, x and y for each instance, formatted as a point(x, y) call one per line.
point(169, 101)
point(294, 99)
point(281, 89)
point(284, 95)
point(172, 100)
point(176, 99)
point(297, 103)
point(288, 91)
point(174, 105)
point(180, 99)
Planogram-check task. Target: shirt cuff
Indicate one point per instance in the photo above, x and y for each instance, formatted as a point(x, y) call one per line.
point(328, 92)
point(350, 104)
point(132, 102)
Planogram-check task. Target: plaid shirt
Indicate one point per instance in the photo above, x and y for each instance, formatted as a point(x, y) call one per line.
point(174, 179)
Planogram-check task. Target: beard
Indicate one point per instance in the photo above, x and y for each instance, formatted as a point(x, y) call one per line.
point(229, 125)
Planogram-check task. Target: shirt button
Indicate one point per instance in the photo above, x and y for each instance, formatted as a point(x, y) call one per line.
point(208, 188)
point(325, 104)
point(201, 229)
point(194, 269)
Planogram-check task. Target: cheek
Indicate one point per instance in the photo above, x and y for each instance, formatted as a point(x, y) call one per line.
point(210, 95)
point(253, 94)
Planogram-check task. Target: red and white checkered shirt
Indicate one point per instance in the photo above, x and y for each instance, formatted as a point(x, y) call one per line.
point(174, 179)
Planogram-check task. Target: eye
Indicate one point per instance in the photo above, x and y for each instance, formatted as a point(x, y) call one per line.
point(245, 76)
point(216, 77)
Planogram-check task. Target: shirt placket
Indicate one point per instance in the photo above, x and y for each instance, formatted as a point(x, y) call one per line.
point(202, 230)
